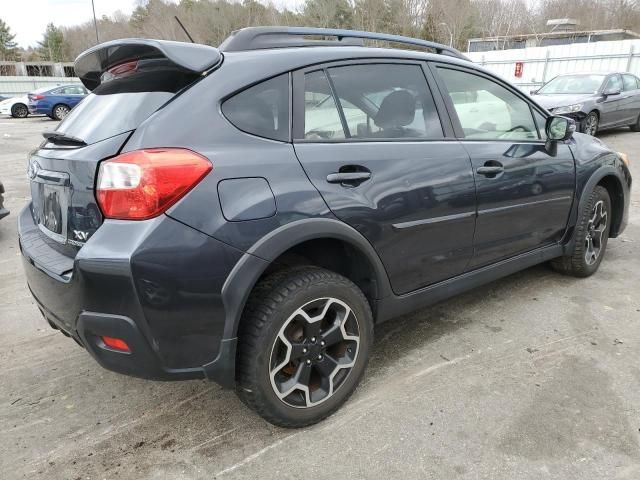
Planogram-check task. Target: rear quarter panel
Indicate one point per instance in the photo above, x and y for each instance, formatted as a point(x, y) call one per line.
point(194, 120)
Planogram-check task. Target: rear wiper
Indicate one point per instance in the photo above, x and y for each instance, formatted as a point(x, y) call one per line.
point(60, 138)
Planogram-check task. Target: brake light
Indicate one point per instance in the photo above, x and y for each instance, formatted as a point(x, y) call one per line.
point(143, 184)
point(116, 343)
point(119, 71)
point(36, 97)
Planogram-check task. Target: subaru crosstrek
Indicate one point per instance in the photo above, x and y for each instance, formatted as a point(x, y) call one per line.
point(248, 213)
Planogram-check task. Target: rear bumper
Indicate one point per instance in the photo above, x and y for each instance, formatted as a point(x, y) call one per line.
point(43, 109)
point(154, 284)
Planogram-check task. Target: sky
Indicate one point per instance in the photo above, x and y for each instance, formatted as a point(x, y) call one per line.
point(28, 19)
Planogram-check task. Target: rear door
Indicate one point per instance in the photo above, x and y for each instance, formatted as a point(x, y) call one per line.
point(630, 104)
point(370, 138)
point(524, 194)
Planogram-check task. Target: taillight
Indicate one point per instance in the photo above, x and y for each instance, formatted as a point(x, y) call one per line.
point(116, 343)
point(143, 184)
point(36, 97)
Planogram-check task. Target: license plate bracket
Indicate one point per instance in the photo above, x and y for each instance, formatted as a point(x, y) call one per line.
point(50, 193)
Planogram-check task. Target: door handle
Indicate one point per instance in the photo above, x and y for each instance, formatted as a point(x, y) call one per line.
point(353, 178)
point(492, 170)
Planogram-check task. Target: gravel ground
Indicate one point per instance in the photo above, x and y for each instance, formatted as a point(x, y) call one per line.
point(533, 376)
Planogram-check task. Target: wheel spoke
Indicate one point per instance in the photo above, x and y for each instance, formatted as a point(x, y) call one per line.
point(297, 350)
point(326, 366)
point(333, 335)
point(596, 237)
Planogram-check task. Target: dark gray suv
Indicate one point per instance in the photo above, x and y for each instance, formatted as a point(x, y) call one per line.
point(248, 213)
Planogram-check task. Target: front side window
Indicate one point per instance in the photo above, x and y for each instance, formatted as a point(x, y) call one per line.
point(629, 82)
point(262, 110)
point(486, 109)
point(373, 101)
point(614, 84)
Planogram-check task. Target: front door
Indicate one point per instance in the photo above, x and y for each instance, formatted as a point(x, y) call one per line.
point(524, 194)
point(370, 139)
point(611, 109)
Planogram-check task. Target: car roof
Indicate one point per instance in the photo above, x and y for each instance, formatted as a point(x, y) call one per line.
point(579, 74)
point(270, 62)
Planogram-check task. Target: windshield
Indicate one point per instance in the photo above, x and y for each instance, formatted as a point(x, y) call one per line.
point(571, 84)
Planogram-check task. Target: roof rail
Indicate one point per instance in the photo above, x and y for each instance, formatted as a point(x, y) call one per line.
point(256, 38)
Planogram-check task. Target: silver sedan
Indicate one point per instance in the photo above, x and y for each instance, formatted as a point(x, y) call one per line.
point(596, 101)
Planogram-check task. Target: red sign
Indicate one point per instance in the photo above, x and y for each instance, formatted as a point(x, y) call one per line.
point(519, 67)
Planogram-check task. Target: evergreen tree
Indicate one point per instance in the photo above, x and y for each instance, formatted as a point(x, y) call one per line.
point(8, 48)
point(52, 47)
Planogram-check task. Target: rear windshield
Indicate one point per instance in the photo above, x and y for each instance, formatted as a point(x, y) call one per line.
point(122, 104)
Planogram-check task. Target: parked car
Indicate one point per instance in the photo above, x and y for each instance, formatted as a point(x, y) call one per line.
point(56, 102)
point(596, 101)
point(16, 107)
point(216, 214)
point(3, 211)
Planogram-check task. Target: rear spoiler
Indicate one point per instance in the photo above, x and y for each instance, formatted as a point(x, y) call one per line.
point(188, 57)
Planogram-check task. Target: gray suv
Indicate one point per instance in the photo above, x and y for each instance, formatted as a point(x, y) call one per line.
point(248, 213)
point(596, 101)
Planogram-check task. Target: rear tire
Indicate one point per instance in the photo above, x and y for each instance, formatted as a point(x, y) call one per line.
point(19, 110)
point(304, 343)
point(60, 111)
point(636, 126)
point(591, 236)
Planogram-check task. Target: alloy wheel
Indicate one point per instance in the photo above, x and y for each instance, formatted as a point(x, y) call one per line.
point(314, 352)
point(591, 124)
point(61, 111)
point(596, 229)
point(20, 111)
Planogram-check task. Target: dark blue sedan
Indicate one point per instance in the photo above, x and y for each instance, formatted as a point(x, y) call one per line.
point(56, 102)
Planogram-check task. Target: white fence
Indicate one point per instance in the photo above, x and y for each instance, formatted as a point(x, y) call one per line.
point(17, 85)
point(541, 64)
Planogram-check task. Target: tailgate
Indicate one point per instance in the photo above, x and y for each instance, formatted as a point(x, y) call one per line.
point(130, 80)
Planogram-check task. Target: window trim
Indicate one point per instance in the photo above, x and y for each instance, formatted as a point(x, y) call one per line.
point(453, 114)
point(299, 112)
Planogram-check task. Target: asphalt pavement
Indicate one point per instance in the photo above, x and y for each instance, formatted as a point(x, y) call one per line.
point(535, 376)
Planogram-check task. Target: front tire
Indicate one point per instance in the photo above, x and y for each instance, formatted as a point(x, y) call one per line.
point(60, 111)
point(636, 126)
point(591, 124)
point(304, 343)
point(19, 110)
point(592, 234)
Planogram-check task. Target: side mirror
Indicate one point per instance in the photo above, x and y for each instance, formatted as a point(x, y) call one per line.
point(612, 91)
point(533, 92)
point(558, 129)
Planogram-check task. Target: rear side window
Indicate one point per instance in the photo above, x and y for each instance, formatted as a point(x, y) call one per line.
point(321, 116)
point(386, 102)
point(262, 110)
